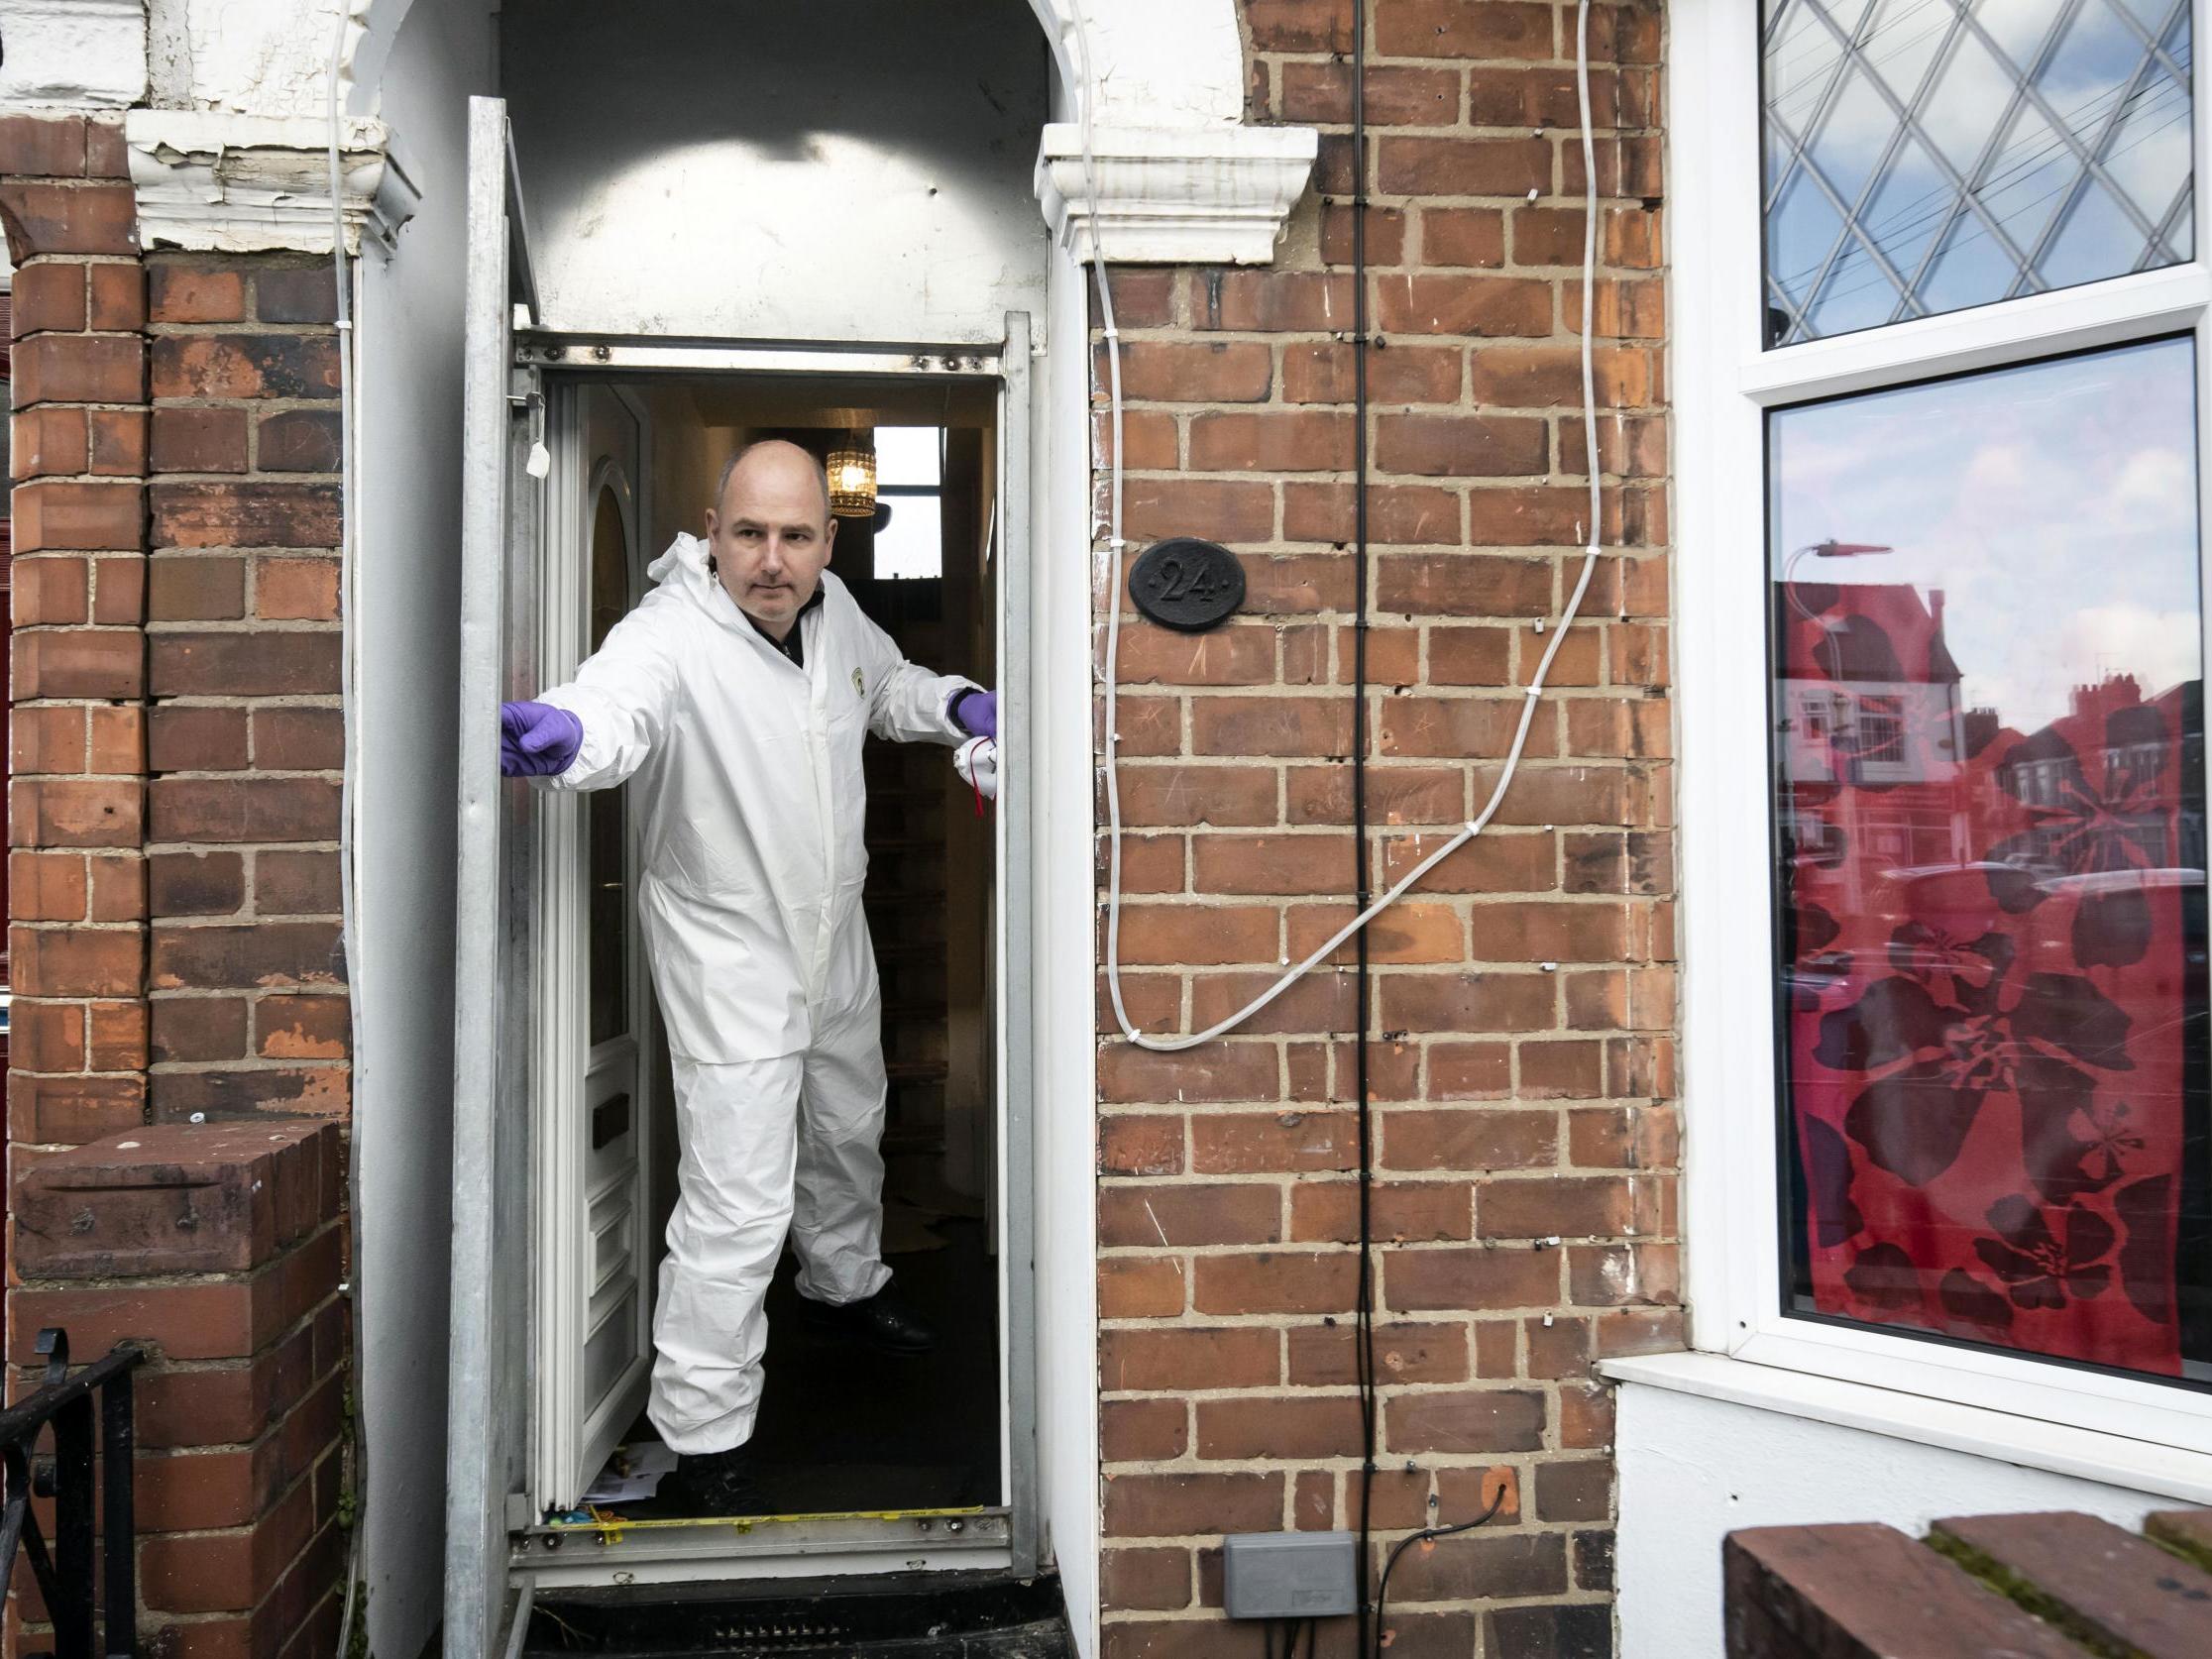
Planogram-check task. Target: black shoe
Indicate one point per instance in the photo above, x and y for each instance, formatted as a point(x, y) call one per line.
point(718, 1483)
point(881, 1321)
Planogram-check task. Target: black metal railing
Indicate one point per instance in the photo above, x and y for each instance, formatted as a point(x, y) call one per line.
point(65, 1574)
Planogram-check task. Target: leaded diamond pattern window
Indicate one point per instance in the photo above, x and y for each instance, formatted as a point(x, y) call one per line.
point(1926, 156)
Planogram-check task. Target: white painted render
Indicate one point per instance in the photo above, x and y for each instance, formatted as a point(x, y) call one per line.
point(248, 57)
point(73, 54)
point(230, 183)
point(407, 528)
point(1174, 195)
point(1181, 178)
point(1694, 1468)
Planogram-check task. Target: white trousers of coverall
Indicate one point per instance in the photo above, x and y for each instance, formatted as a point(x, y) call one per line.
point(789, 1144)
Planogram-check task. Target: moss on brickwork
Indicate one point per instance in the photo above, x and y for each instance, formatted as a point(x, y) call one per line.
point(2026, 1595)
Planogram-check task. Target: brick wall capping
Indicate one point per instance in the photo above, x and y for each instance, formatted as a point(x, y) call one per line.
point(1176, 195)
point(212, 181)
point(171, 1198)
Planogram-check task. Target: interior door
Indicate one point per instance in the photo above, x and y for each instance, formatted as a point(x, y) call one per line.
point(594, 1338)
point(488, 1400)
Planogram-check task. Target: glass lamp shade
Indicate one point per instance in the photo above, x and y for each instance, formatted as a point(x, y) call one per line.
point(852, 482)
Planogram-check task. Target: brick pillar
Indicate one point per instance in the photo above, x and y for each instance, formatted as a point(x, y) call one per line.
point(245, 736)
point(217, 1248)
point(76, 875)
point(213, 815)
point(1522, 1083)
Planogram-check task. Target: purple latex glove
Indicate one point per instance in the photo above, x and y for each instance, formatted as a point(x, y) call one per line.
point(976, 713)
point(536, 740)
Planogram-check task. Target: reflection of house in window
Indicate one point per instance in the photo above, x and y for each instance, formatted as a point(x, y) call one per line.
point(1874, 701)
point(2126, 743)
point(1881, 703)
point(1880, 734)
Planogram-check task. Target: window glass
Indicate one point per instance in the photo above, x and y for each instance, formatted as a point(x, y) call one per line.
point(607, 809)
point(1987, 700)
point(1924, 156)
point(909, 455)
point(910, 471)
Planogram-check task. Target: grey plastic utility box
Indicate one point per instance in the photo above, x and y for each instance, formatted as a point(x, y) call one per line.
point(1288, 1575)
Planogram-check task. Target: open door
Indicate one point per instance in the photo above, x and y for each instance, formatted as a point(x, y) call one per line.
point(488, 1411)
point(594, 1221)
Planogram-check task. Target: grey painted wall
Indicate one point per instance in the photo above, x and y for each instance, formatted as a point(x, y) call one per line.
point(408, 512)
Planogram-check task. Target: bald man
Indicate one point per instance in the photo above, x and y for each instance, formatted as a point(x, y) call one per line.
point(736, 698)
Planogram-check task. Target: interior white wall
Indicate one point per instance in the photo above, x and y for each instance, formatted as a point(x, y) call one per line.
point(739, 171)
point(409, 495)
point(1694, 1468)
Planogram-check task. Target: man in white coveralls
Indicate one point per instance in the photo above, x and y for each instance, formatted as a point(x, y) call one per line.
point(736, 700)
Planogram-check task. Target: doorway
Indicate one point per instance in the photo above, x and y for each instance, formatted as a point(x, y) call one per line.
point(862, 1457)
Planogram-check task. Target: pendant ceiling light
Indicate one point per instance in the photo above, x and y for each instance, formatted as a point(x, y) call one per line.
point(853, 477)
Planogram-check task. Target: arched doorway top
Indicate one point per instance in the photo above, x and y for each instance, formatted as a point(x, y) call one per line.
point(1179, 174)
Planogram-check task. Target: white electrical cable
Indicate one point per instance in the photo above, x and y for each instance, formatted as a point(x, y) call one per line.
point(350, 720)
point(1110, 568)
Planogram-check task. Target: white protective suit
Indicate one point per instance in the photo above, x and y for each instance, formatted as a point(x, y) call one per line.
point(746, 789)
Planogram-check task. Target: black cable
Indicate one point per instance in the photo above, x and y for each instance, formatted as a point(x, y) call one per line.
point(1363, 1316)
point(1383, 1591)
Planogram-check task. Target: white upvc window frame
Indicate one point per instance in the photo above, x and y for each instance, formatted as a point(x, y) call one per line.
point(1723, 385)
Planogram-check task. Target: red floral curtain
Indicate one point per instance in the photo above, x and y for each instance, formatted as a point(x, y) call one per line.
point(1993, 958)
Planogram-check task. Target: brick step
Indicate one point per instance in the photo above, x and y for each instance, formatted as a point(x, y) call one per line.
point(2030, 1585)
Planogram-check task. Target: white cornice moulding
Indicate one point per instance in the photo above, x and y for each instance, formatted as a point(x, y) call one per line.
point(1199, 195)
point(81, 54)
point(215, 182)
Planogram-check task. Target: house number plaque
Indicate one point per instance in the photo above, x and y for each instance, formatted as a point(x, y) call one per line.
point(1187, 584)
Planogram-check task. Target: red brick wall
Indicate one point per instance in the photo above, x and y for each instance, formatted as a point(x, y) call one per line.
point(76, 806)
point(174, 817)
point(1525, 1129)
point(217, 1246)
point(245, 737)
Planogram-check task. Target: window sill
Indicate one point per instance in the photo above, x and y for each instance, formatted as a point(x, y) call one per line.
point(2086, 1454)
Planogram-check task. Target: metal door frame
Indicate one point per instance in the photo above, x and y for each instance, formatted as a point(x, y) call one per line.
point(485, 1604)
point(1007, 1535)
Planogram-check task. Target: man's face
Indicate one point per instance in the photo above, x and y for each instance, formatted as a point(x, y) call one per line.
point(771, 534)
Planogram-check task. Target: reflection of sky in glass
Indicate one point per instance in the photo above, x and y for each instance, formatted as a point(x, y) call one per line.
point(1923, 156)
point(2053, 505)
